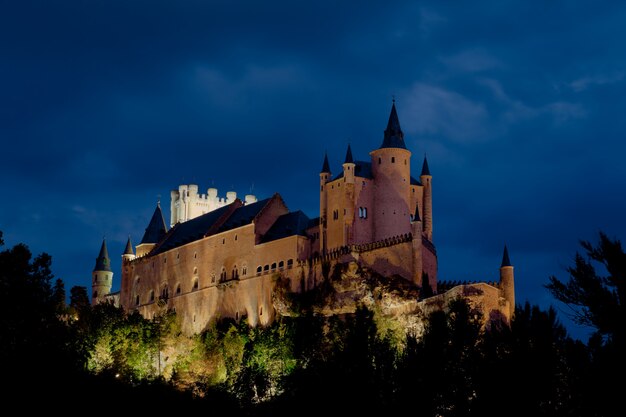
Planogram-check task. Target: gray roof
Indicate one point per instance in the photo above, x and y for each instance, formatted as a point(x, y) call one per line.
point(325, 166)
point(349, 159)
point(425, 169)
point(213, 222)
point(156, 228)
point(103, 263)
point(129, 248)
point(394, 138)
point(294, 223)
point(505, 258)
point(361, 169)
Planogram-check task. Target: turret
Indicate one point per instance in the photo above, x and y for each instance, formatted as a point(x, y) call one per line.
point(102, 276)
point(507, 281)
point(129, 253)
point(426, 180)
point(349, 203)
point(324, 178)
point(154, 232)
point(391, 170)
point(416, 232)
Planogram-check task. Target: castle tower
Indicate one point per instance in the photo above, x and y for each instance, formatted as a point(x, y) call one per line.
point(416, 231)
point(349, 197)
point(324, 178)
point(154, 232)
point(391, 169)
point(426, 180)
point(507, 281)
point(128, 254)
point(102, 276)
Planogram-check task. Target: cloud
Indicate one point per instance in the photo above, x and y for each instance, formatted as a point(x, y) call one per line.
point(584, 83)
point(436, 111)
point(472, 60)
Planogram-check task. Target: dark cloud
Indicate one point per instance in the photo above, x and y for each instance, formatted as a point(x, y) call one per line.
point(107, 105)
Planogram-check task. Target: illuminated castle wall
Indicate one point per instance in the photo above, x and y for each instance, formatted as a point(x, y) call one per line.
point(220, 257)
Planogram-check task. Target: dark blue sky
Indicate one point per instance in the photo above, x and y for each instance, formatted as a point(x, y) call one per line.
point(519, 105)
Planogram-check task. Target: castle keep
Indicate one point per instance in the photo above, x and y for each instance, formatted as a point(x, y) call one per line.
point(220, 256)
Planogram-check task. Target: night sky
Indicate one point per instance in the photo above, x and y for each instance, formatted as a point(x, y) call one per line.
point(105, 106)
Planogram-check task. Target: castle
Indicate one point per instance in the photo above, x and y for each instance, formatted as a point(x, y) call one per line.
point(220, 256)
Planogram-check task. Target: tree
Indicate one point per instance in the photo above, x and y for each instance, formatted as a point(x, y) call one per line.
point(594, 299)
point(595, 293)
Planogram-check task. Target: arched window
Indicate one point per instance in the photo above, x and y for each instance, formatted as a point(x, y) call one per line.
point(281, 264)
point(274, 266)
point(151, 295)
point(234, 274)
point(365, 212)
point(195, 284)
point(223, 274)
point(177, 289)
point(289, 262)
point(213, 277)
point(393, 159)
point(244, 270)
point(259, 269)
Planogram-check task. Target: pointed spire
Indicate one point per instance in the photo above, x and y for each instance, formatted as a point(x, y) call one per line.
point(325, 167)
point(103, 263)
point(425, 169)
point(129, 247)
point(416, 217)
point(394, 138)
point(156, 228)
point(505, 258)
point(349, 159)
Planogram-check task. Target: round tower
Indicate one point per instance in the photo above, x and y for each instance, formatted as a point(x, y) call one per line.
point(426, 180)
point(324, 178)
point(391, 169)
point(507, 281)
point(348, 197)
point(102, 276)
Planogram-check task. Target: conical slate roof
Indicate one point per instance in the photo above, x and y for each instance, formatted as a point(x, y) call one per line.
point(325, 167)
point(394, 138)
point(505, 258)
point(103, 263)
point(425, 169)
point(416, 217)
point(349, 159)
point(129, 248)
point(156, 228)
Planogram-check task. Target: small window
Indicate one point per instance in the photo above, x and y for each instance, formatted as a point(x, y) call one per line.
point(223, 274)
point(393, 159)
point(195, 284)
point(177, 289)
point(164, 260)
point(223, 241)
point(261, 311)
point(137, 300)
point(281, 264)
point(95, 294)
point(178, 256)
point(380, 161)
point(365, 212)
point(152, 295)
point(235, 237)
point(274, 266)
point(289, 262)
point(195, 271)
point(213, 278)
point(195, 255)
point(259, 269)
point(266, 268)
point(244, 270)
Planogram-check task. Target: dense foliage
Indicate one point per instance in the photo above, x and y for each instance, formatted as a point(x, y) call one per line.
point(77, 355)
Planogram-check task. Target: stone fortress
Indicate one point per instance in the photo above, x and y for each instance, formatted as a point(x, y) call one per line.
point(221, 256)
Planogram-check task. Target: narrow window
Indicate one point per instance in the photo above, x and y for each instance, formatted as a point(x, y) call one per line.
point(137, 300)
point(151, 295)
point(195, 284)
point(195, 271)
point(213, 278)
point(235, 237)
point(380, 161)
point(261, 311)
point(393, 159)
point(178, 289)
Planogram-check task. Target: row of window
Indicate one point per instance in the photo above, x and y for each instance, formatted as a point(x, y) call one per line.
point(223, 277)
point(362, 213)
